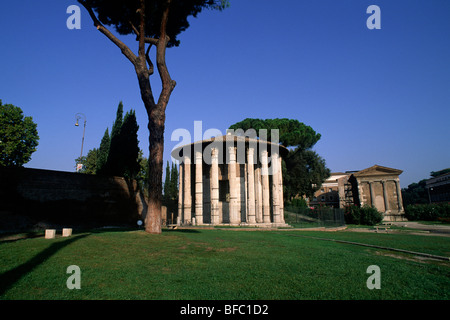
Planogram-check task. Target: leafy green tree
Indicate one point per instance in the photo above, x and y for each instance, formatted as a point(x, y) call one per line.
point(18, 136)
point(89, 162)
point(304, 173)
point(415, 193)
point(155, 23)
point(303, 169)
point(292, 133)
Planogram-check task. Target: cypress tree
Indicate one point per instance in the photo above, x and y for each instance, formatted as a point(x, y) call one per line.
point(114, 165)
point(103, 152)
point(174, 182)
point(129, 145)
point(167, 182)
point(120, 153)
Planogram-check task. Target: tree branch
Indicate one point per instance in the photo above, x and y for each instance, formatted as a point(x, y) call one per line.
point(151, 68)
point(135, 30)
point(146, 39)
point(123, 47)
point(151, 40)
point(141, 11)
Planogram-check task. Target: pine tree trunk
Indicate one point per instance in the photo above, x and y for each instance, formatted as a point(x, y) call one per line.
point(156, 119)
point(156, 148)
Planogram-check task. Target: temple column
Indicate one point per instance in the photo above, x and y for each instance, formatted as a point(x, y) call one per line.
point(258, 196)
point(180, 194)
point(280, 189)
point(234, 216)
point(385, 196)
point(198, 187)
point(214, 185)
point(275, 185)
point(251, 186)
point(399, 196)
point(187, 203)
point(372, 200)
point(265, 186)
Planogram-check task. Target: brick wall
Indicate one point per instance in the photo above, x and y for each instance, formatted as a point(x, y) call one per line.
point(30, 198)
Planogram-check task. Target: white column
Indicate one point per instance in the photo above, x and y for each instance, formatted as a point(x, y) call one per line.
point(251, 214)
point(275, 185)
point(187, 205)
point(399, 195)
point(180, 194)
point(258, 195)
point(265, 186)
point(372, 200)
point(214, 183)
point(280, 189)
point(234, 216)
point(385, 196)
point(198, 187)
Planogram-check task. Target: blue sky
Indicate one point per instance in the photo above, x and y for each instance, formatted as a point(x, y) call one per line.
point(376, 96)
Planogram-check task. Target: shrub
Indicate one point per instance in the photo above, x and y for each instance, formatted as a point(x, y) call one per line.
point(352, 214)
point(365, 215)
point(370, 216)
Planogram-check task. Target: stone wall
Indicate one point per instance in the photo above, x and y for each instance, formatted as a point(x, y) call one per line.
point(33, 198)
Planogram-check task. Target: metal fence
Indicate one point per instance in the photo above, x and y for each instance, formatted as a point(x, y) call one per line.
point(311, 218)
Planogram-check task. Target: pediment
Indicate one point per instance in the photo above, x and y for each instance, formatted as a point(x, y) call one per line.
point(377, 170)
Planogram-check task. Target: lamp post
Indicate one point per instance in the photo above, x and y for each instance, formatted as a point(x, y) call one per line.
point(78, 116)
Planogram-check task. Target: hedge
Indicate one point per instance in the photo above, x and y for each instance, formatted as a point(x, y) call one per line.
point(428, 212)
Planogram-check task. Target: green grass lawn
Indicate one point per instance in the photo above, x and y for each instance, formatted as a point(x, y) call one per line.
point(223, 264)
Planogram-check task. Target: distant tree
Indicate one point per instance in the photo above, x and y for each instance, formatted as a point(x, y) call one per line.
point(18, 136)
point(415, 193)
point(440, 172)
point(89, 162)
point(174, 182)
point(103, 151)
point(122, 148)
point(170, 197)
point(303, 169)
point(167, 184)
point(155, 23)
point(304, 173)
point(171, 182)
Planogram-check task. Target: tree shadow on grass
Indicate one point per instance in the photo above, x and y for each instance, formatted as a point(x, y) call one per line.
point(9, 278)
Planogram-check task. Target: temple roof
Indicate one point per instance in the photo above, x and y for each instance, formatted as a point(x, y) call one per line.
point(177, 152)
point(377, 170)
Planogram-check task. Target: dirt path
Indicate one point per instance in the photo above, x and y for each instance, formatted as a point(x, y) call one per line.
point(441, 229)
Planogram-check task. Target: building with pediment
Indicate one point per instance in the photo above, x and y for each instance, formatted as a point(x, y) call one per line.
point(377, 186)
